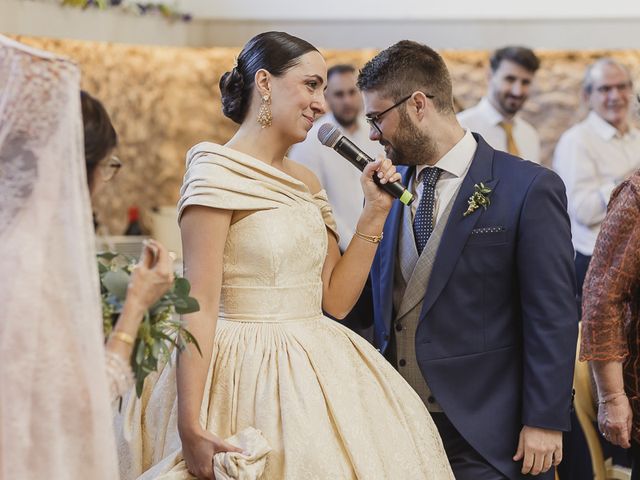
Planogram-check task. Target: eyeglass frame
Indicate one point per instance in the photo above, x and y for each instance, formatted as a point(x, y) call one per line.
point(112, 167)
point(372, 119)
point(621, 88)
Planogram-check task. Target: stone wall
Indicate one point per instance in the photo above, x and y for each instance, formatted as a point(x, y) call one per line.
point(163, 100)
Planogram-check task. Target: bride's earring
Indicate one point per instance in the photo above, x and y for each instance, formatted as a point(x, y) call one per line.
point(264, 114)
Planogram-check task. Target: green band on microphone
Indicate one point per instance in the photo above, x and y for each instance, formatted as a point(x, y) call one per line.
point(406, 197)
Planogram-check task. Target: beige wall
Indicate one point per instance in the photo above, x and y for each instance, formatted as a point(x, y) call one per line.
point(468, 24)
point(165, 99)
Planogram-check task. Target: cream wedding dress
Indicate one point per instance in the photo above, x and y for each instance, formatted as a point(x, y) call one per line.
point(328, 403)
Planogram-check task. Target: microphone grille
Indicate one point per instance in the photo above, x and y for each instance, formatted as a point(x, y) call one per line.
point(329, 134)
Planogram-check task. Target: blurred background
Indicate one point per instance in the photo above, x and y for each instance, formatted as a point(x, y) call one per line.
point(156, 66)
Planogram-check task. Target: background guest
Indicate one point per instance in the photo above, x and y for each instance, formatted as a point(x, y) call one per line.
point(611, 320)
point(340, 178)
point(54, 400)
point(496, 116)
point(151, 277)
point(597, 154)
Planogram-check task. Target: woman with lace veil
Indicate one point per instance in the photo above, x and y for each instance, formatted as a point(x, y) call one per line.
point(151, 277)
point(55, 388)
point(261, 252)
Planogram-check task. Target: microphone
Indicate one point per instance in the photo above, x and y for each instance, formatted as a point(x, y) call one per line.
point(331, 136)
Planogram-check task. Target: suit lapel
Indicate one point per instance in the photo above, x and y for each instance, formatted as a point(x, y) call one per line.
point(389, 250)
point(458, 226)
point(407, 250)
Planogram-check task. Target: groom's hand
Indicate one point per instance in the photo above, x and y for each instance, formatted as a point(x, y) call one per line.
point(540, 448)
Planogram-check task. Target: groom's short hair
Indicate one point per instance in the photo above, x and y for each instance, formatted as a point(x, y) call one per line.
point(406, 67)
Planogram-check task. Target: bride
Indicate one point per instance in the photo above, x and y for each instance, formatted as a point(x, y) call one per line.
point(261, 253)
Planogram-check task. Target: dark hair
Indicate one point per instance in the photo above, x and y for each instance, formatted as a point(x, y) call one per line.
point(275, 52)
point(340, 69)
point(519, 55)
point(406, 67)
point(99, 135)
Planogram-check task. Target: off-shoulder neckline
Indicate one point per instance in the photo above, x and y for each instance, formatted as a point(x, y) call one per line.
point(230, 153)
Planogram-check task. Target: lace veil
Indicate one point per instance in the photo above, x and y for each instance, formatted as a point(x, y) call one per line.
point(55, 416)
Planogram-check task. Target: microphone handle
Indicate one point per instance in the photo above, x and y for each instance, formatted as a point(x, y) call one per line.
point(359, 159)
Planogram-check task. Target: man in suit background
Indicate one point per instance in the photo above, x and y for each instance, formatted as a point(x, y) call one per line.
point(340, 179)
point(473, 284)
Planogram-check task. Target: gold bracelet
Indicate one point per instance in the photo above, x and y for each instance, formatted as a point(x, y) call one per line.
point(123, 337)
point(369, 238)
point(611, 397)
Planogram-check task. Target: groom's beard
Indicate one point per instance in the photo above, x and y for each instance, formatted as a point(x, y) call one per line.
point(409, 146)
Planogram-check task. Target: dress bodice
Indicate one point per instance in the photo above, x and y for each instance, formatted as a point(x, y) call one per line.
point(273, 257)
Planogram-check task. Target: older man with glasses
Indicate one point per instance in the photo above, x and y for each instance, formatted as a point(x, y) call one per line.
point(596, 155)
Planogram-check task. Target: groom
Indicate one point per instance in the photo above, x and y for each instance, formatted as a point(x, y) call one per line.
point(473, 283)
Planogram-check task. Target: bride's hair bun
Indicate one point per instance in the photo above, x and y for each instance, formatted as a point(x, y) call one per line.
point(232, 90)
point(275, 52)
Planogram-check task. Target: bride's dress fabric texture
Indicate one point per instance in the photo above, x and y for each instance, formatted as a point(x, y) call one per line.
point(329, 405)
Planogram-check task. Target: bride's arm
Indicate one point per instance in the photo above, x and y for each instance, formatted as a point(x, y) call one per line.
point(344, 276)
point(204, 232)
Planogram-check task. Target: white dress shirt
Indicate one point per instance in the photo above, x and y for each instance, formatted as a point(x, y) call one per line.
point(454, 165)
point(339, 178)
point(485, 120)
point(592, 158)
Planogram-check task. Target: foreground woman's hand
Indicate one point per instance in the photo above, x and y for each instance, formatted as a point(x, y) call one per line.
point(615, 420)
point(152, 276)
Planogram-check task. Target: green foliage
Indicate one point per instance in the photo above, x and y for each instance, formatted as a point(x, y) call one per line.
point(137, 7)
point(161, 330)
point(102, 4)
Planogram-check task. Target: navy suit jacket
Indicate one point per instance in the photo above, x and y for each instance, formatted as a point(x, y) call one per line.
point(496, 339)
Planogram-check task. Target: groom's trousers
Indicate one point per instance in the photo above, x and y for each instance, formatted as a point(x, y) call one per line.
point(466, 462)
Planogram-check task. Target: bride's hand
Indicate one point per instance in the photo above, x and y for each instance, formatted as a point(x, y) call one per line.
point(375, 197)
point(198, 449)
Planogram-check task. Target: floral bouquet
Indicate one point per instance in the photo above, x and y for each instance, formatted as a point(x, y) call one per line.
point(161, 329)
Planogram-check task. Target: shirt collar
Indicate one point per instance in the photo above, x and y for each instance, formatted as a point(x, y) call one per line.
point(491, 114)
point(457, 160)
point(605, 130)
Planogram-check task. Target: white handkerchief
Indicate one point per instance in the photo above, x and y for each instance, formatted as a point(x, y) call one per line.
point(238, 466)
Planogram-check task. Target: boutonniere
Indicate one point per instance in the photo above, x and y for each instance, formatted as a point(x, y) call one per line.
point(480, 198)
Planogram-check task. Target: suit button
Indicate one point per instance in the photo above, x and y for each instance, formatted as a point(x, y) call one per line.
point(402, 362)
point(386, 337)
point(398, 327)
point(431, 399)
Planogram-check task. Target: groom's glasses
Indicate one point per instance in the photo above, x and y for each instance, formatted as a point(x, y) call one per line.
point(373, 120)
